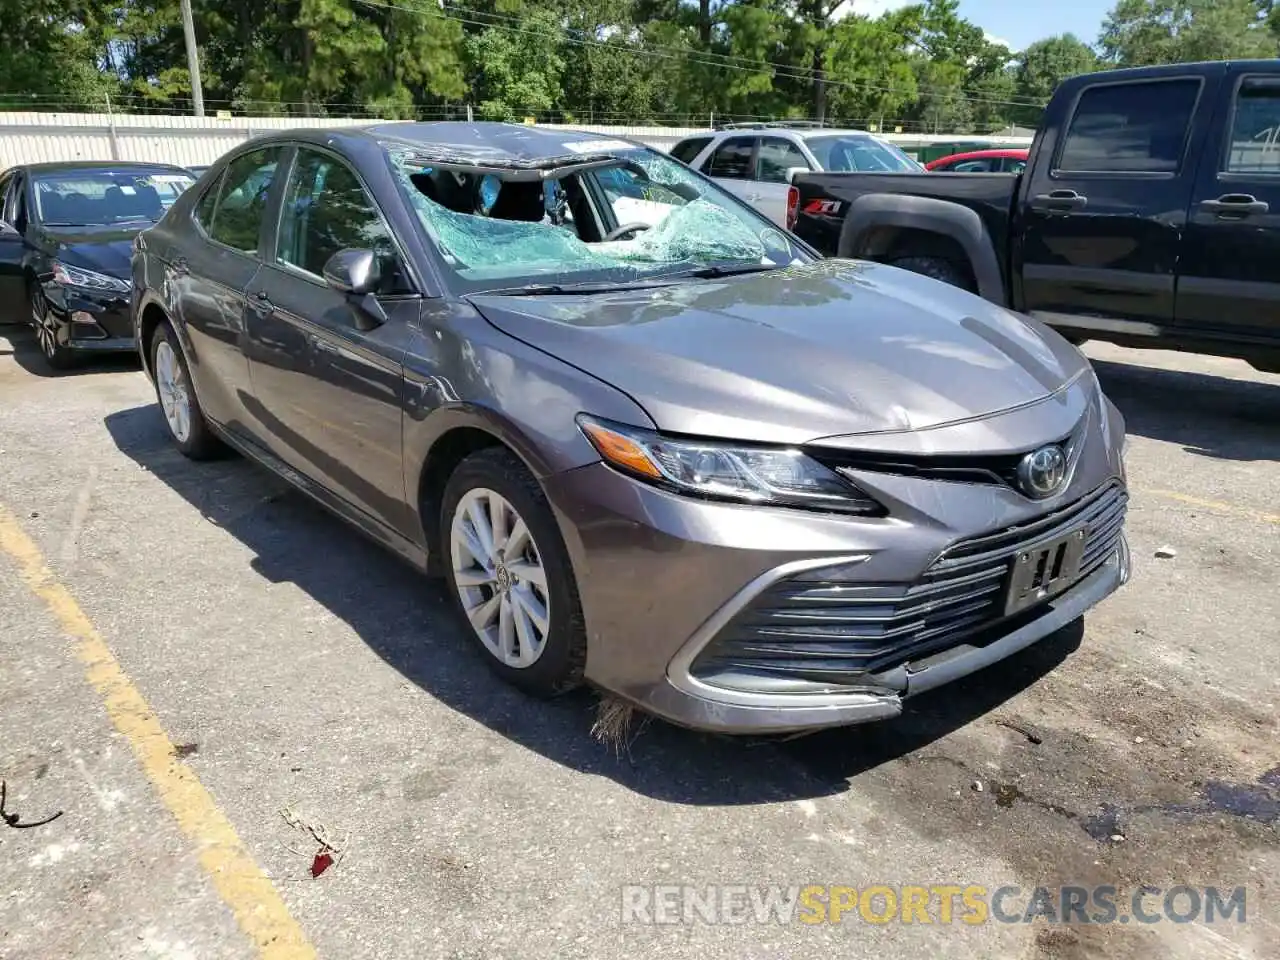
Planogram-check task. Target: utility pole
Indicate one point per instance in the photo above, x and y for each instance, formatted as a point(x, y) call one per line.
point(193, 58)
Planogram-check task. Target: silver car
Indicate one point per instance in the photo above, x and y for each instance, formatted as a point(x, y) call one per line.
point(755, 161)
point(650, 441)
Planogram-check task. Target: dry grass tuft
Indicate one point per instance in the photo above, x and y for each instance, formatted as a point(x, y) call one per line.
point(615, 720)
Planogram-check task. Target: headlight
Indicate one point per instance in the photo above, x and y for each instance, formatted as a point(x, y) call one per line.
point(70, 276)
point(722, 471)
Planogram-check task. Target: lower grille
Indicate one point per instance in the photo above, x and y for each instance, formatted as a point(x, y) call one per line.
point(828, 631)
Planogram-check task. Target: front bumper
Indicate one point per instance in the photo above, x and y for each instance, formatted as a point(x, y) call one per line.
point(674, 591)
point(90, 322)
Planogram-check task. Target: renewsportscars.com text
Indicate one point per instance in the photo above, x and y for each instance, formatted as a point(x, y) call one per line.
point(933, 904)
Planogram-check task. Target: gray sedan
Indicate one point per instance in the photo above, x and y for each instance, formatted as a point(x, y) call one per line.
point(651, 441)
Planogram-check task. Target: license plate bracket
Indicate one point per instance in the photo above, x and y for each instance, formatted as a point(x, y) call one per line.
point(1044, 571)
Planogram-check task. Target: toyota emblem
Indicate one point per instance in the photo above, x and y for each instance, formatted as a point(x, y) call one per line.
point(1042, 472)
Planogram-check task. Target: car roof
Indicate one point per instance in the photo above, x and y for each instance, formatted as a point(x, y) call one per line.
point(481, 142)
point(52, 166)
point(803, 133)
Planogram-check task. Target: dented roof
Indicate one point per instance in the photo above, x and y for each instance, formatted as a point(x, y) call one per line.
point(507, 146)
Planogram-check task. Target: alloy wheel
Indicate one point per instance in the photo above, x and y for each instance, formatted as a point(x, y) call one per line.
point(46, 327)
point(174, 392)
point(499, 576)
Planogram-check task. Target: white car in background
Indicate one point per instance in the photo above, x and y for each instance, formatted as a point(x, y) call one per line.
point(755, 161)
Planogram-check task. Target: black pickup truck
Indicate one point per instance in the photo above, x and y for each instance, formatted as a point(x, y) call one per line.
point(1148, 214)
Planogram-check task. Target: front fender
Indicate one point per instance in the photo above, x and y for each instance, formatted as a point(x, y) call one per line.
point(941, 217)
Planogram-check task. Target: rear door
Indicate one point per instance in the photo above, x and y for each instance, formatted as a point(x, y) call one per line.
point(774, 157)
point(732, 165)
point(1106, 204)
point(1228, 275)
point(211, 274)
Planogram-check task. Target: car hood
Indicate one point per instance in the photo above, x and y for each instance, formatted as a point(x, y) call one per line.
point(827, 349)
point(104, 249)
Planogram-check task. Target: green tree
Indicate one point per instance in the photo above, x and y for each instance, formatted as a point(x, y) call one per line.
point(1044, 65)
point(871, 79)
point(1141, 32)
point(518, 73)
point(50, 60)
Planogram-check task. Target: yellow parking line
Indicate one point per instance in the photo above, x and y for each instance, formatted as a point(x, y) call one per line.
point(1220, 505)
point(240, 882)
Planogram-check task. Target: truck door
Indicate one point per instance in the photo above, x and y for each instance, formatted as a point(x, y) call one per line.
point(1228, 280)
point(1106, 201)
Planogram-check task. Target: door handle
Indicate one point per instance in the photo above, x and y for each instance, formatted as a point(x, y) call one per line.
point(260, 302)
point(321, 345)
point(1235, 205)
point(1058, 200)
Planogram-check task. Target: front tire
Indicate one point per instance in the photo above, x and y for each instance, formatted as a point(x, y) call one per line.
point(938, 268)
point(510, 575)
point(45, 324)
point(178, 402)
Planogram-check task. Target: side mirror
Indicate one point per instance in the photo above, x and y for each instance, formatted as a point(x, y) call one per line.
point(792, 171)
point(355, 273)
point(352, 271)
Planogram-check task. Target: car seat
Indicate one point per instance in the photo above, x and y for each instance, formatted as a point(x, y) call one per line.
point(519, 200)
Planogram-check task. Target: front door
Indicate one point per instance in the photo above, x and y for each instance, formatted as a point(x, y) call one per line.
point(732, 165)
point(1228, 278)
point(1106, 205)
point(327, 383)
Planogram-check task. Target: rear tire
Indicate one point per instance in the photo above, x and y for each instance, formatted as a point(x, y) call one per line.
point(43, 322)
point(183, 416)
point(937, 268)
point(510, 575)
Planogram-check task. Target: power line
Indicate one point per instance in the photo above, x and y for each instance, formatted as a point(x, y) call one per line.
point(703, 58)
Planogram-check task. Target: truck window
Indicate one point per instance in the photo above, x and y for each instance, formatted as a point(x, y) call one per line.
point(1255, 129)
point(1130, 127)
point(686, 150)
point(732, 159)
point(775, 157)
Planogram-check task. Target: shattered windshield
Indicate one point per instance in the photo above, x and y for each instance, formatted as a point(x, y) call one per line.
point(623, 214)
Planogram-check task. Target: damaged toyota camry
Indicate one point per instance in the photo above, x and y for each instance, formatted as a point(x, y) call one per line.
point(652, 442)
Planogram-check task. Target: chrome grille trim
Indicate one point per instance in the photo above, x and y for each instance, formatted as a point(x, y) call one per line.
point(834, 630)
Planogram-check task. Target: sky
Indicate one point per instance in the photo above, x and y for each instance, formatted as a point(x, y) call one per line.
point(1018, 23)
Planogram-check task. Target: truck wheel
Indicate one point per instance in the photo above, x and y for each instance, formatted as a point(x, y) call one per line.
point(939, 269)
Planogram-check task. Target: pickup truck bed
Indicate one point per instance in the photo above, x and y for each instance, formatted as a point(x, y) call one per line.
point(1148, 213)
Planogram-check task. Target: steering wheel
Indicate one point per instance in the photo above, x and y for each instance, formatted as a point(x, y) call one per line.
point(618, 232)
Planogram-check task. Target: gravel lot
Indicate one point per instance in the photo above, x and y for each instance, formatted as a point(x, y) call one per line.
point(291, 665)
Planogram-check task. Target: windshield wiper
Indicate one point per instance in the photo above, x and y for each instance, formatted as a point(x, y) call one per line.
point(596, 286)
point(725, 270)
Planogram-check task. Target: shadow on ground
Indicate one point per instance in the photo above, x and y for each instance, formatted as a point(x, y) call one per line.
point(1213, 416)
point(406, 619)
point(21, 345)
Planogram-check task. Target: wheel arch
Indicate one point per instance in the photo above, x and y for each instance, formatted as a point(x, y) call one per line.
point(456, 433)
point(878, 224)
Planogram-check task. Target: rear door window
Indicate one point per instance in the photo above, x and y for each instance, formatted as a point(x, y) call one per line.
point(732, 159)
point(242, 202)
point(1130, 127)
